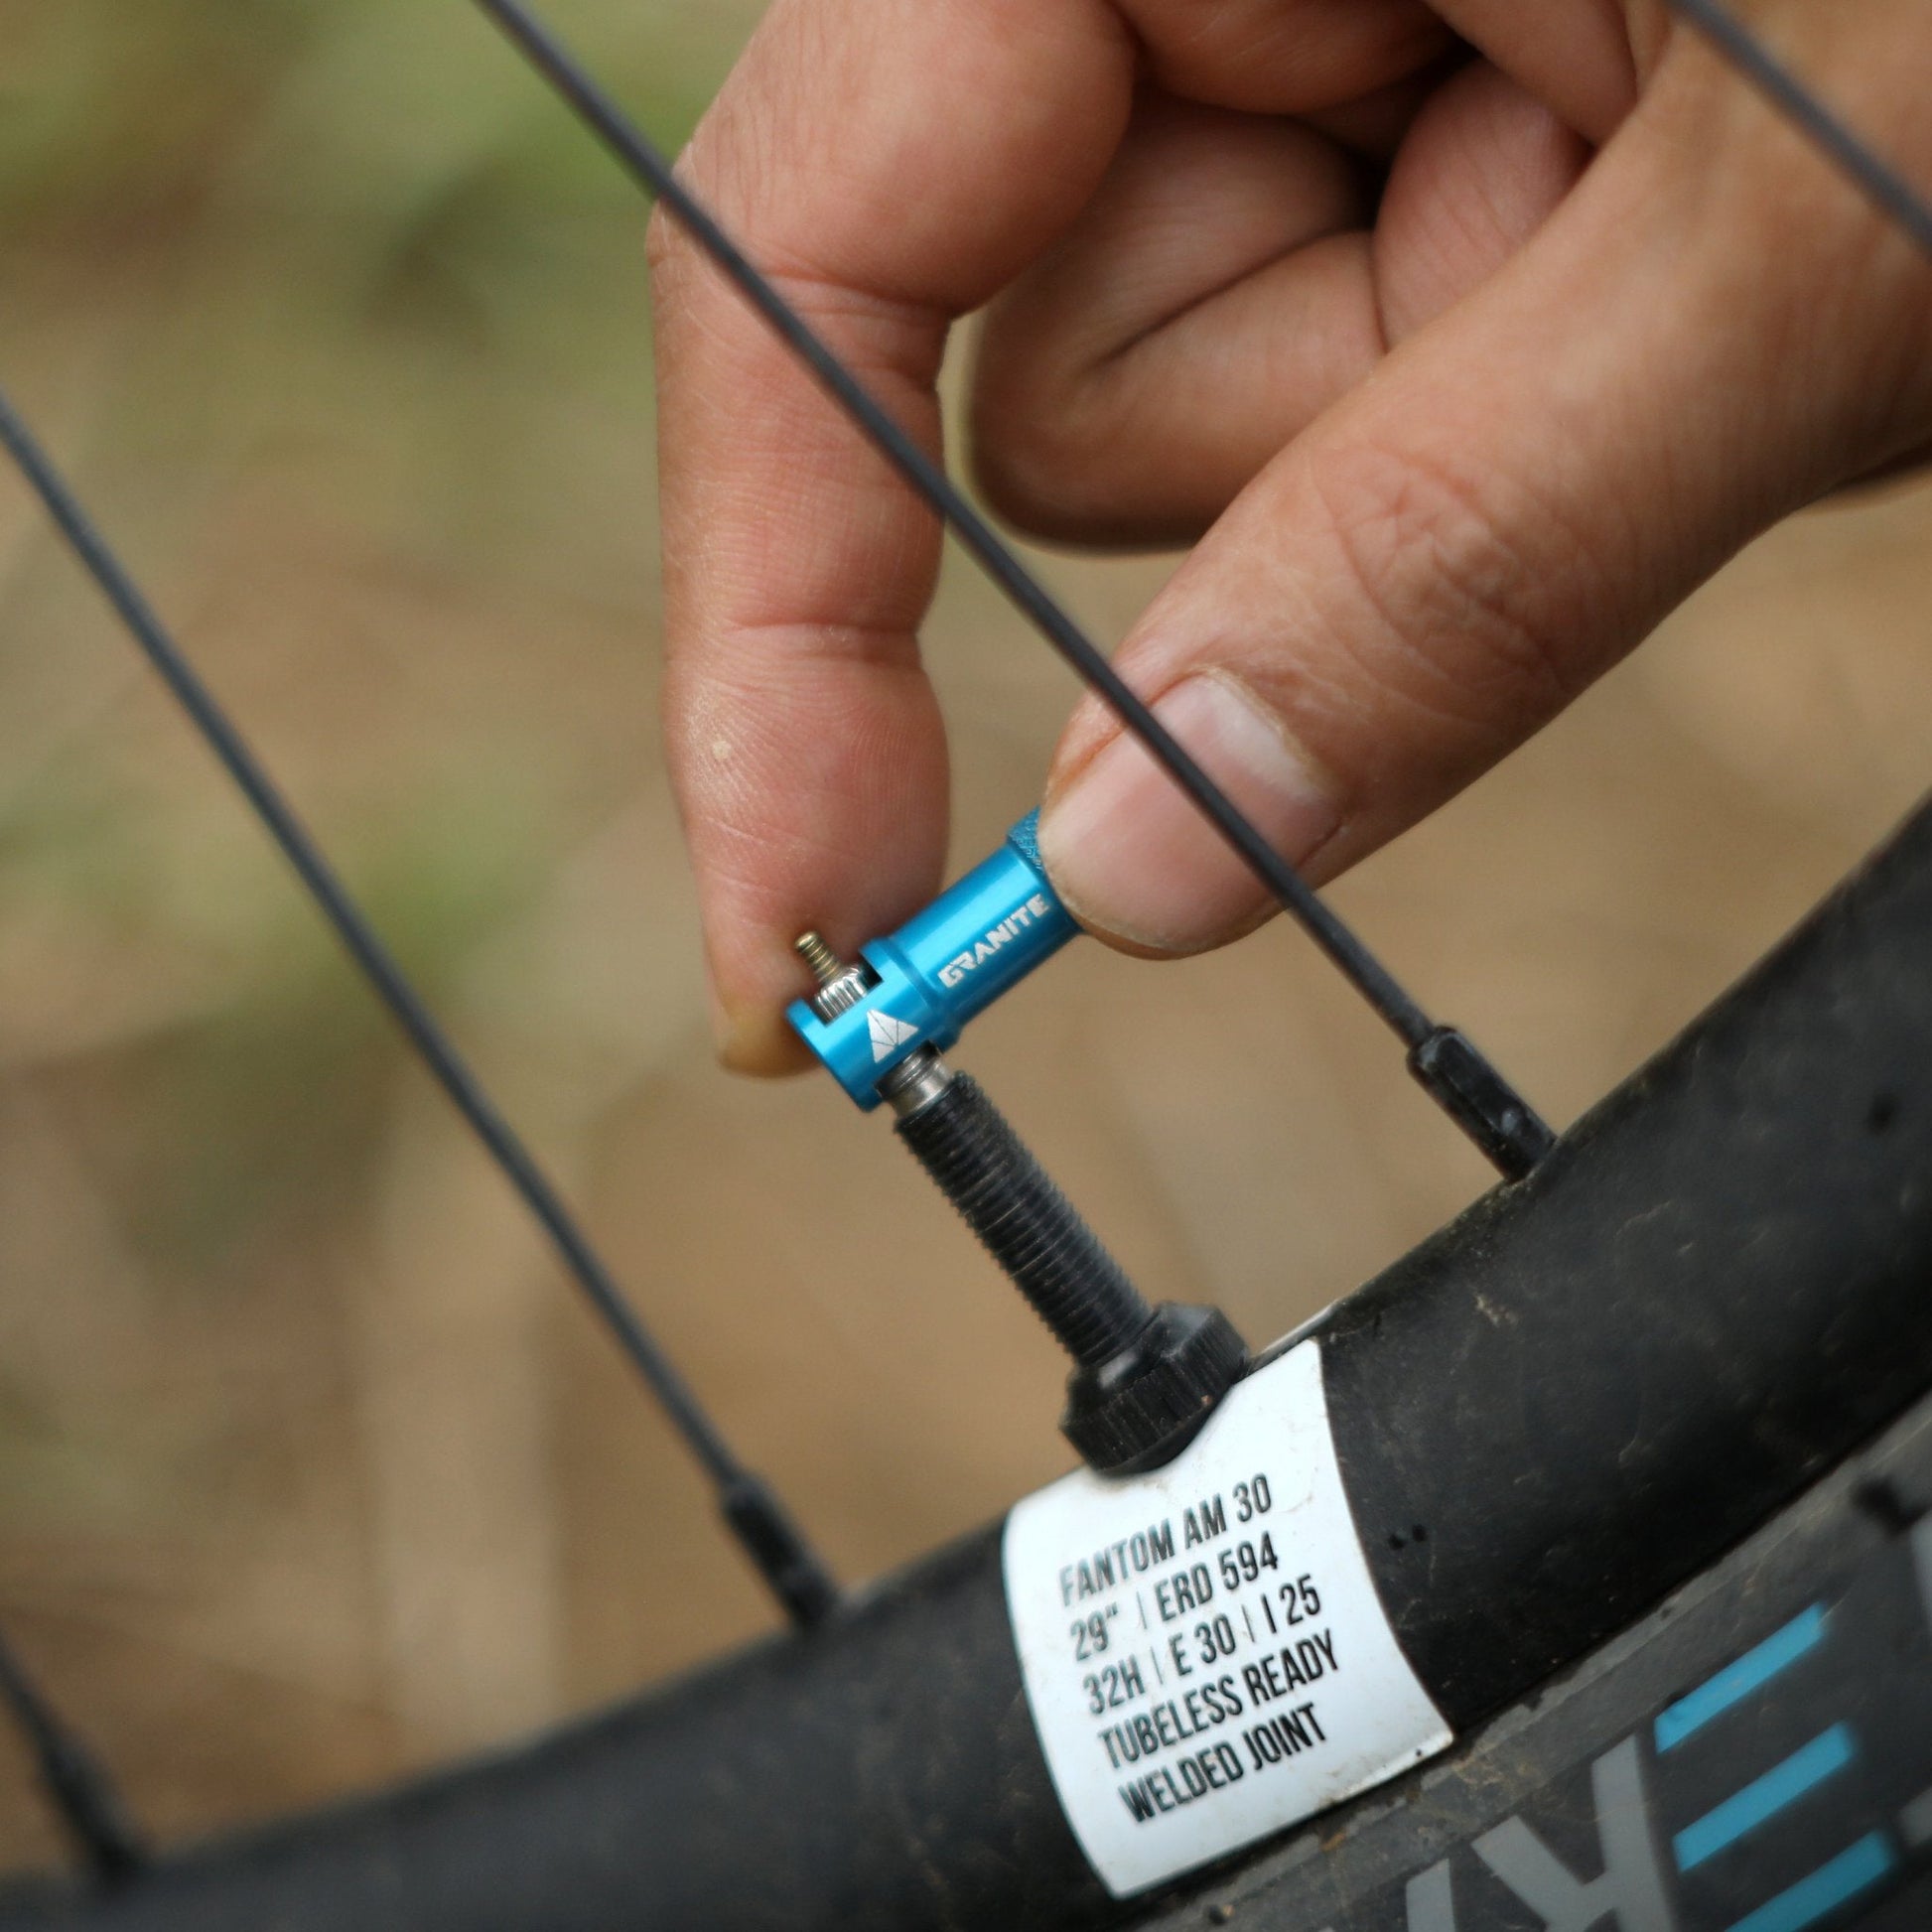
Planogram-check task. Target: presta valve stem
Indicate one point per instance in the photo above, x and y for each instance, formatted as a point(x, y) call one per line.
point(1145, 1378)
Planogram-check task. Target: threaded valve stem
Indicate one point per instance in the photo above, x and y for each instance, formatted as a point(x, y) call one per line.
point(1145, 1378)
point(1026, 1224)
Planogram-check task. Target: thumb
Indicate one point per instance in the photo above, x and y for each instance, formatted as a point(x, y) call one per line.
point(1712, 331)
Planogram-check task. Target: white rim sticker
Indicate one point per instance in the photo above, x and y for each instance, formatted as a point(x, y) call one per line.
point(1202, 1647)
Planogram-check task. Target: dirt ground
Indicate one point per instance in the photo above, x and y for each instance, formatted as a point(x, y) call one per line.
point(312, 1470)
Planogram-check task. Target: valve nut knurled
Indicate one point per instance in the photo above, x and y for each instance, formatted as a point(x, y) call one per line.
point(1142, 1407)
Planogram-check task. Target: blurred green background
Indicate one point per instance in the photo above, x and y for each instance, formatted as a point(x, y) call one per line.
point(311, 1470)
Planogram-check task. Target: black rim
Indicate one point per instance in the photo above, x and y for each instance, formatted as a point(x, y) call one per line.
point(1582, 1393)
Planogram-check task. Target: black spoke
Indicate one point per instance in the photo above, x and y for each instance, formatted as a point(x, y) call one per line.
point(75, 1779)
point(1470, 1089)
point(1886, 187)
point(769, 1537)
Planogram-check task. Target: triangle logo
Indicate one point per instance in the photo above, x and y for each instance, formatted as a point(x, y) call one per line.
point(887, 1035)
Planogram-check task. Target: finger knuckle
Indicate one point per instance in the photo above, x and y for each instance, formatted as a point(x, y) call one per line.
point(1262, 56)
point(1450, 569)
point(1040, 467)
point(1052, 447)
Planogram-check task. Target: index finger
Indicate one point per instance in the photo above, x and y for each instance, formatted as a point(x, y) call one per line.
point(890, 166)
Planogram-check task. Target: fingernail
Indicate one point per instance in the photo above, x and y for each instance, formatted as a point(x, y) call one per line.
point(1131, 853)
point(747, 1038)
point(725, 1025)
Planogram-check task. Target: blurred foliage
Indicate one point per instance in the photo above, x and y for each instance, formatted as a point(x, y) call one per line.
point(381, 116)
point(274, 1061)
point(340, 321)
point(386, 282)
point(381, 217)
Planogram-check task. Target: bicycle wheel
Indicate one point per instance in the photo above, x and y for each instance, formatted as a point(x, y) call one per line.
point(1649, 1369)
point(1829, 1025)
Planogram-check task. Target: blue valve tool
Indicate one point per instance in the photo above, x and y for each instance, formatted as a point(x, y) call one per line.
point(920, 987)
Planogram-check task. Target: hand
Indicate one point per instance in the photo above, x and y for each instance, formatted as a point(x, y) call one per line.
point(1458, 367)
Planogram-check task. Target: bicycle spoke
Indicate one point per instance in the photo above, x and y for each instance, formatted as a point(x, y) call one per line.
point(1886, 187)
point(75, 1779)
point(762, 1525)
point(1465, 1085)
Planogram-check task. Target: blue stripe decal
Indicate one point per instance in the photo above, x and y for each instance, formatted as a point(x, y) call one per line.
point(1853, 1870)
point(1736, 1682)
point(1764, 1798)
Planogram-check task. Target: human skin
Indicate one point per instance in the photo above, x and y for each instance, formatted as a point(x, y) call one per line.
point(1460, 342)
